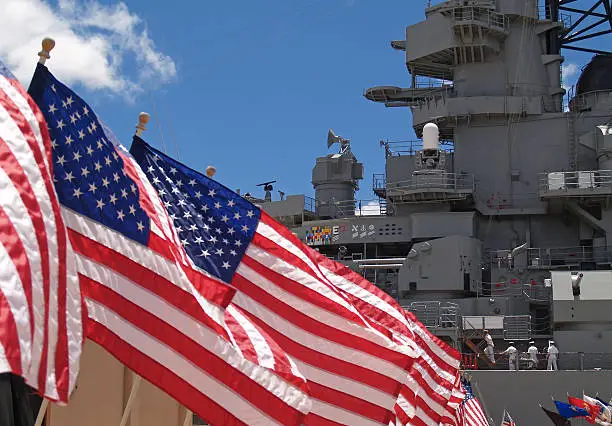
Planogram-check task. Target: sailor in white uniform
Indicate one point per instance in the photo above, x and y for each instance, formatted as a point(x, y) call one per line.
point(512, 357)
point(533, 354)
point(489, 349)
point(553, 353)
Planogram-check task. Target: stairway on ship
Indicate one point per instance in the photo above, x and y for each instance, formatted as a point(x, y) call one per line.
point(478, 356)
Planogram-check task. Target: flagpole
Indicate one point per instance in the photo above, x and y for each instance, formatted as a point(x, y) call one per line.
point(136, 379)
point(188, 418)
point(41, 412)
point(143, 119)
point(484, 405)
point(47, 46)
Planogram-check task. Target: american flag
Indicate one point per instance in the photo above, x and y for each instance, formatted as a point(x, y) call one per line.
point(470, 411)
point(258, 347)
point(147, 307)
point(432, 391)
point(355, 366)
point(507, 421)
point(41, 332)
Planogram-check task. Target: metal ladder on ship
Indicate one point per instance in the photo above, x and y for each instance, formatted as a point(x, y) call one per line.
point(572, 148)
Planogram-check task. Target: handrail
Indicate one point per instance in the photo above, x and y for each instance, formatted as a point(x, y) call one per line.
point(562, 181)
point(544, 257)
point(435, 314)
point(441, 180)
point(398, 148)
point(482, 15)
point(379, 181)
point(351, 208)
point(309, 204)
point(577, 101)
point(568, 361)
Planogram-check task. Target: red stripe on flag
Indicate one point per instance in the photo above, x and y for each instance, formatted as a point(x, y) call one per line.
point(334, 365)
point(145, 277)
point(315, 420)
point(349, 402)
point(307, 323)
point(62, 362)
point(242, 339)
point(188, 348)
point(305, 293)
point(29, 165)
point(17, 252)
point(35, 215)
point(171, 383)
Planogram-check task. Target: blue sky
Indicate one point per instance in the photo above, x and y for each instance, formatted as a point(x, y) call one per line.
point(250, 87)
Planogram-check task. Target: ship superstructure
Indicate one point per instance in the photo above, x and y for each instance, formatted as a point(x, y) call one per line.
point(500, 215)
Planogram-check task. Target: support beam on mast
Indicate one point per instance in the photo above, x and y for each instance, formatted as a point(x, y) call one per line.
point(580, 24)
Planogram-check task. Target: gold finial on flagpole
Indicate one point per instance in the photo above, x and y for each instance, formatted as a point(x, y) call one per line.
point(210, 171)
point(143, 119)
point(47, 46)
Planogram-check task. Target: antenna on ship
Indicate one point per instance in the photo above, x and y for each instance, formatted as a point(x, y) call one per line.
point(267, 186)
point(332, 138)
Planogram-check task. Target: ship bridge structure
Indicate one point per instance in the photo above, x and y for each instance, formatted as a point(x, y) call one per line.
point(499, 216)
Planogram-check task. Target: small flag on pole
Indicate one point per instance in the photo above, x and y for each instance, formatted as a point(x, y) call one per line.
point(470, 412)
point(556, 418)
point(507, 420)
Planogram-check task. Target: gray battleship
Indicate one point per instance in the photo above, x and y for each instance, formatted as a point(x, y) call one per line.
point(499, 217)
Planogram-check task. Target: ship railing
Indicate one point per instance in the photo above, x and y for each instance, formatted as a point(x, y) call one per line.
point(350, 208)
point(517, 327)
point(437, 181)
point(549, 257)
point(472, 327)
point(438, 95)
point(508, 327)
point(531, 291)
point(399, 148)
point(541, 325)
point(310, 204)
point(567, 361)
point(578, 102)
point(385, 279)
point(544, 14)
point(443, 5)
point(435, 314)
point(379, 181)
point(566, 256)
point(562, 182)
point(421, 82)
point(484, 16)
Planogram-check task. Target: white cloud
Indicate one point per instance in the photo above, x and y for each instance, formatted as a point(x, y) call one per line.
point(569, 74)
point(92, 41)
point(371, 208)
